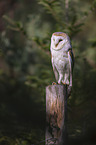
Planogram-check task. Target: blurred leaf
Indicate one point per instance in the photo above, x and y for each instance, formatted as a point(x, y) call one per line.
point(9, 20)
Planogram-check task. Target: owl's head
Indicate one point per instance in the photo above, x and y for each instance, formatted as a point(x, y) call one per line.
point(59, 40)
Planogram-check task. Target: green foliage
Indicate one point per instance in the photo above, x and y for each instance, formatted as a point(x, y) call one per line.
point(93, 7)
point(71, 25)
point(15, 26)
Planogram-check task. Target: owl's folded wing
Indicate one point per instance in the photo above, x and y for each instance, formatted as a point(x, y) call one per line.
point(71, 58)
point(71, 63)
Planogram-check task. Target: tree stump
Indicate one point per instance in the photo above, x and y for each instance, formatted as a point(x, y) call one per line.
point(56, 114)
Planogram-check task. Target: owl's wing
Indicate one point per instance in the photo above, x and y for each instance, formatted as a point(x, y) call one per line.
point(71, 63)
point(71, 57)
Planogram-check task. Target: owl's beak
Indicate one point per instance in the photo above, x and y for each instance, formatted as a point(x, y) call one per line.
point(56, 44)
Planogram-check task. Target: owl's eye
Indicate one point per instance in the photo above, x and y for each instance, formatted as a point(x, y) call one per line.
point(60, 40)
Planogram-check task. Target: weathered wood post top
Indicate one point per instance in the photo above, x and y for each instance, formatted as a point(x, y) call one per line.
point(56, 97)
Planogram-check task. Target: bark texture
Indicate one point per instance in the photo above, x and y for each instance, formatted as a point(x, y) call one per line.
point(56, 111)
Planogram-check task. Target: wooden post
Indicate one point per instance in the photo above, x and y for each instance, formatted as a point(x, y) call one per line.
point(56, 111)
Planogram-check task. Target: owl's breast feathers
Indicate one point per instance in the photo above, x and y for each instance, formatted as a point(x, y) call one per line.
point(59, 55)
point(60, 59)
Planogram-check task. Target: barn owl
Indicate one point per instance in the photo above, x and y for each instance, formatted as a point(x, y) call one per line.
point(62, 58)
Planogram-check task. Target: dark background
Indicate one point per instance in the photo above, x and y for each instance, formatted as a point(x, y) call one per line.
point(26, 27)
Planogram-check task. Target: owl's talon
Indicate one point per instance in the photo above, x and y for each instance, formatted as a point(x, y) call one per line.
point(63, 83)
point(59, 82)
point(53, 83)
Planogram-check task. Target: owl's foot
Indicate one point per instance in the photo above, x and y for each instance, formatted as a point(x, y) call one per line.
point(65, 82)
point(59, 82)
point(53, 83)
